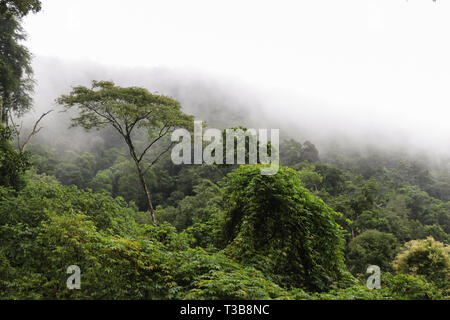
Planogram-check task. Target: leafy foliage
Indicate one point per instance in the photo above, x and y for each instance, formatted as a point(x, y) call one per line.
point(276, 225)
point(371, 247)
point(16, 83)
point(19, 8)
point(12, 163)
point(428, 258)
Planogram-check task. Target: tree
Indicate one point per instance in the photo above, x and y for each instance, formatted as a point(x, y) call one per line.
point(19, 8)
point(311, 179)
point(128, 110)
point(276, 225)
point(127, 184)
point(290, 152)
point(372, 247)
point(195, 209)
point(309, 152)
point(333, 179)
point(293, 152)
point(16, 83)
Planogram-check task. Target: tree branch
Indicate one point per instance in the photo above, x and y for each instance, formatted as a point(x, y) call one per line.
point(31, 134)
point(160, 135)
point(159, 156)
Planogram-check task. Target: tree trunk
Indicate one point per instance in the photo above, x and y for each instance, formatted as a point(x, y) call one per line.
point(147, 192)
point(141, 175)
point(3, 113)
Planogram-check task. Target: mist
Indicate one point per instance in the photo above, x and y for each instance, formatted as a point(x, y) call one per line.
point(222, 102)
point(349, 75)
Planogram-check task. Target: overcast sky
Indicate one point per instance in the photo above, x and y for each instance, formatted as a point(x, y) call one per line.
point(379, 64)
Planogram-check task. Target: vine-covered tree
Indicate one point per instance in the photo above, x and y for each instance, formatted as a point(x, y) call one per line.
point(276, 225)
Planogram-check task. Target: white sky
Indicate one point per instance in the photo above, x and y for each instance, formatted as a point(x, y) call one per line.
point(383, 62)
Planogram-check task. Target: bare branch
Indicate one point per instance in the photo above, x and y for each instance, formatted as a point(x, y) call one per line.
point(32, 133)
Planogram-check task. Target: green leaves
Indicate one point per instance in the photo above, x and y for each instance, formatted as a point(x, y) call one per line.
point(12, 163)
point(284, 241)
point(274, 224)
point(19, 8)
point(124, 108)
point(16, 84)
point(372, 247)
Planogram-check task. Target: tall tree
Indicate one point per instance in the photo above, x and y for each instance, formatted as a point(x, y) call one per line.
point(16, 83)
point(127, 110)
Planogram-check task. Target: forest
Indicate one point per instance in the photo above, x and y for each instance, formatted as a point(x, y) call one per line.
point(139, 226)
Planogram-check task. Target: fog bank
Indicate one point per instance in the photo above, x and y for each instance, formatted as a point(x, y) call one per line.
point(225, 102)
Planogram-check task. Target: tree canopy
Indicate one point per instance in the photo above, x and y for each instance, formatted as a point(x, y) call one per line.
point(19, 8)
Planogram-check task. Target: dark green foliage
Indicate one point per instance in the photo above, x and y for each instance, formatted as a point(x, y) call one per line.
point(47, 227)
point(19, 8)
point(190, 198)
point(199, 208)
point(12, 162)
point(333, 179)
point(16, 84)
point(293, 152)
point(371, 220)
point(371, 247)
